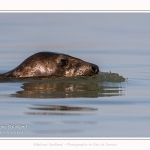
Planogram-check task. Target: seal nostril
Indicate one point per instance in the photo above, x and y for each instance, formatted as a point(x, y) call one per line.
point(94, 69)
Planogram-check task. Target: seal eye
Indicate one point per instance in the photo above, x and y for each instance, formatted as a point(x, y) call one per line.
point(63, 63)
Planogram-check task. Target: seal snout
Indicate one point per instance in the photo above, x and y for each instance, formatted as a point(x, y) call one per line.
point(94, 68)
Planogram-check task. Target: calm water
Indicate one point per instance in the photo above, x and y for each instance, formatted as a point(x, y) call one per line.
point(77, 107)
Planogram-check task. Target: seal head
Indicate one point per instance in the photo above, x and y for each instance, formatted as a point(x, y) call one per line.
point(50, 64)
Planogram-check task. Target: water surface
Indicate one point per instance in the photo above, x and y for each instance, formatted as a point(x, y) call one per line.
point(77, 107)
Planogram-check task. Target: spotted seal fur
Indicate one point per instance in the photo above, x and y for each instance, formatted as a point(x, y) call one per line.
point(51, 64)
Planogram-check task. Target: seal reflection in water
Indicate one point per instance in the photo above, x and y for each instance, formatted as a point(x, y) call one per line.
point(50, 64)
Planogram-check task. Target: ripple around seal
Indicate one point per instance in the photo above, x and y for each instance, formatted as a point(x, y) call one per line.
point(101, 85)
point(100, 77)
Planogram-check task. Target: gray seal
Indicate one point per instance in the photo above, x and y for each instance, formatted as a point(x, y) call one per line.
point(51, 64)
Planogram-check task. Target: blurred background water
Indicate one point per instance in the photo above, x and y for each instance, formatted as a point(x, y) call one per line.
point(116, 42)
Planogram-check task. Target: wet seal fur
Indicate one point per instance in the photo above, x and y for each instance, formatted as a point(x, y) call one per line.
point(50, 64)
